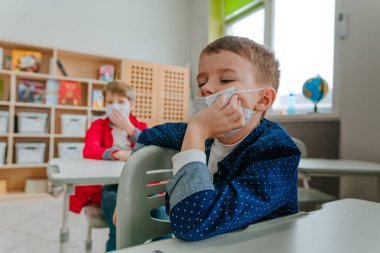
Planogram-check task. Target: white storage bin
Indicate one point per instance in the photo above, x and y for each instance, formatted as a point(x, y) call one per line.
point(32, 122)
point(3, 146)
point(4, 116)
point(73, 124)
point(30, 152)
point(70, 149)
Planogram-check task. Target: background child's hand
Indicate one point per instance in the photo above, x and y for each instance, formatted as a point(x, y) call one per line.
point(219, 118)
point(114, 218)
point(122, 122)
point(122, 155)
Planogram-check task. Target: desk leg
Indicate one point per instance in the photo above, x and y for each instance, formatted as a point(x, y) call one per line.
point(64, 232)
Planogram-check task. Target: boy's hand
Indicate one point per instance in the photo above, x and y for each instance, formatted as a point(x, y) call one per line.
point(122, 122)
point(122, 155)
point(219, 118)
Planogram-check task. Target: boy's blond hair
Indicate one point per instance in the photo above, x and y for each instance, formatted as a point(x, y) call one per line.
point(120, 88)
point(263, 60)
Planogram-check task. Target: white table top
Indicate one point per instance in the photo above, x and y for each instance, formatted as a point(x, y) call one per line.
point(341, 226)
point(84, 171)
point(338, 166)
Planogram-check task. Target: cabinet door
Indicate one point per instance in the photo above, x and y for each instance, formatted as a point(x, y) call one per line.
point(143, 77)
point(174, 94)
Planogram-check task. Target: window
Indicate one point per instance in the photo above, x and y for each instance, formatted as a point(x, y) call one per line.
point(249, 26)
point(303, 40)
point(304, 44)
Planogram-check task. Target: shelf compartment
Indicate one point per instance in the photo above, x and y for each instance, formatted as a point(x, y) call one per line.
point(66, 140)
point(58, 121)
point(5, 87)
point(47, 53)
point(24, 84)
point(84, 65)
point(30, 140)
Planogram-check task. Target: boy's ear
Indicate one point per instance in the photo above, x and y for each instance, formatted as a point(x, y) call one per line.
point(267, 99)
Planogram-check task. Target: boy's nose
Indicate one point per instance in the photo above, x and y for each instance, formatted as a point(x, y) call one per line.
point(207, 90)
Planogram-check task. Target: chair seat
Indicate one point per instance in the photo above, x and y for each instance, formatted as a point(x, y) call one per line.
point(95, 216)
point(313, 196)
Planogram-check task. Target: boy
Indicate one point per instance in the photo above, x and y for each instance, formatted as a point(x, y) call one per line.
point(111, 138)
point(235, 168)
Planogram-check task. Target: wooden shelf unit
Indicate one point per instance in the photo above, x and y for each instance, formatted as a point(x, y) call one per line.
point(163, 94)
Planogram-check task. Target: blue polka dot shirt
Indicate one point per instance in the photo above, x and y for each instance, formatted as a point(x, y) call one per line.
point(257, 181)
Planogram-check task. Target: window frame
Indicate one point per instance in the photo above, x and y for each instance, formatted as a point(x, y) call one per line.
point(269, 6)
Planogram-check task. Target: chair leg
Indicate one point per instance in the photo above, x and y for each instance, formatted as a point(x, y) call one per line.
point(88, 240)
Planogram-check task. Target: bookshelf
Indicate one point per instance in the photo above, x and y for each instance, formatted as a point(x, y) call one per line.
point(163, 94)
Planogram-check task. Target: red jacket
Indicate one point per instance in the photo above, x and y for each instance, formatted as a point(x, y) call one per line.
point(98, 145)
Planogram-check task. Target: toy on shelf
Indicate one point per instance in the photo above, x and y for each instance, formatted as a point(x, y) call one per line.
point(70, 93)
point(106, 73)
point(26, 60)
point(97, 99)
point(31, 91)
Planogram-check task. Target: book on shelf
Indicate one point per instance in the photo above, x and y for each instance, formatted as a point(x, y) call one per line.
point(97, 99)
point(70, 93)
point(106, 73)
point(52, 87)
point(31, 91)
point(26, 60)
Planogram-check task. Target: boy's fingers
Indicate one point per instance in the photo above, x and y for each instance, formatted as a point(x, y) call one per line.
point(233, 105)
point(221, 101)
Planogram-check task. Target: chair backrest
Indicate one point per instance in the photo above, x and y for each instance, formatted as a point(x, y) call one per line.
point(136, 196)
point(301, 146)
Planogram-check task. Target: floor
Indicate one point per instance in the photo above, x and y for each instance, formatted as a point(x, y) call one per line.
point(31, 224)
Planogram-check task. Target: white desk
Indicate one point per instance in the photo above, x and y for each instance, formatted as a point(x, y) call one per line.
point(341, 226)
point(337, 167)
point(71, 172)
point(358, 179)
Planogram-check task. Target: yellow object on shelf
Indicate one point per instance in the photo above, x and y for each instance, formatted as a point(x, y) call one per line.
point(3, 187)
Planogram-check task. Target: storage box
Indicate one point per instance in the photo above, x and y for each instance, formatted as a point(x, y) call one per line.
point(3, 146)
point(70, 149)
point(32, 122)
point(73, 125)
point(4, 116)
point(35, 186)
point(30, 152)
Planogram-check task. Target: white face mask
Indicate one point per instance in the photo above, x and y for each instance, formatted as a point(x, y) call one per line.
point(124, 108)
point(201, 103)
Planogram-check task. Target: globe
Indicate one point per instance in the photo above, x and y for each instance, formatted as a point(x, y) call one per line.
point(315, 89)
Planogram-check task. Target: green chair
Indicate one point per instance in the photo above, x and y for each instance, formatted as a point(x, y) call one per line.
point(137, 196)
point(307, 195)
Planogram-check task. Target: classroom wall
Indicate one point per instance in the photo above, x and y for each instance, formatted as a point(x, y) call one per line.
point(359, 67)
point(162, 31)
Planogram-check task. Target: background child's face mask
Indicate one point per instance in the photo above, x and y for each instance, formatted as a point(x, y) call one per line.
point(201, 103)
point(123, 108)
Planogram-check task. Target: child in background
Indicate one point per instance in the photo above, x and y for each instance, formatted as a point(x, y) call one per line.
point(235, 168)
point(111, 138)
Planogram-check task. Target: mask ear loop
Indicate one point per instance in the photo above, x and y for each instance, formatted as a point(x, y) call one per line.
point(254, 90)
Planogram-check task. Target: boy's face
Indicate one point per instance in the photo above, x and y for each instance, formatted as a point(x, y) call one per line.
point(219, 71)
point(114, 98)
